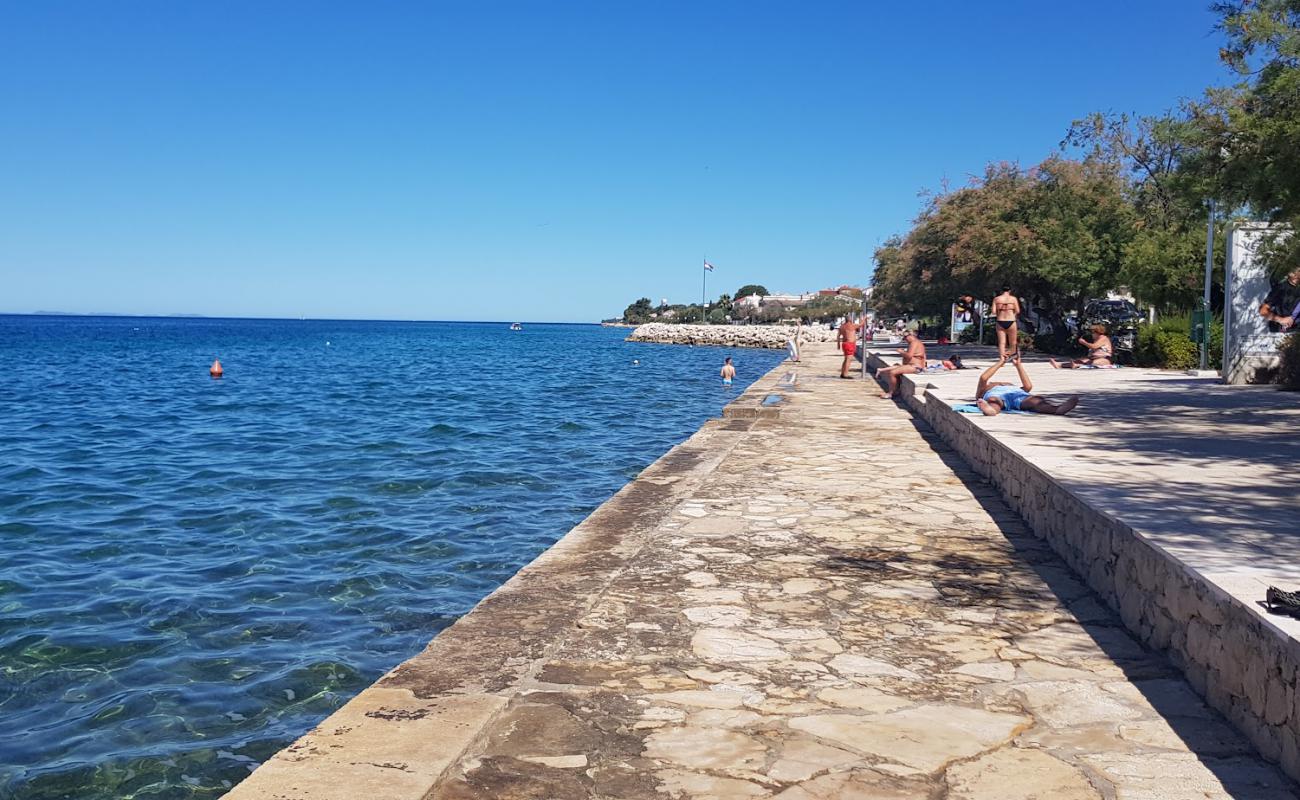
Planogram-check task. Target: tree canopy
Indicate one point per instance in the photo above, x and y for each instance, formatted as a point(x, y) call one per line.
point(751, 288)
point(1124, 206)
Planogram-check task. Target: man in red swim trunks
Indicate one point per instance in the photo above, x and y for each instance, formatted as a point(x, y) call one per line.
point(848, 342)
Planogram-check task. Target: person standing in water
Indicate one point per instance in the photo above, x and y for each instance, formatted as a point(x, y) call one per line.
point(1006, 308)
point(727, 372)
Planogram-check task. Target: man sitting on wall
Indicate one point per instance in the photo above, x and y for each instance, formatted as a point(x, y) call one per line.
point(1282, 306)
point(913, 362)
point(994, 398)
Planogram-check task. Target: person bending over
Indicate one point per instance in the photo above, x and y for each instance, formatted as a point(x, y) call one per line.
point(1282, 306)
point(1100, 351)
point(913, 362)
point(994, 398)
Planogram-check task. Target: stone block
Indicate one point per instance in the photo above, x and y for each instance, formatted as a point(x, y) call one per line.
point(1278, 700)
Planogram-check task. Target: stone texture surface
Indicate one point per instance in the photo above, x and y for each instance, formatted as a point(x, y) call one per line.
point(772, 337)
point(1155, 492)
point(821, 605)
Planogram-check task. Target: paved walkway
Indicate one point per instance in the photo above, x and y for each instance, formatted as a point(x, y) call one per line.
point(835, 608)
point(1201, 468)
point(841, 611)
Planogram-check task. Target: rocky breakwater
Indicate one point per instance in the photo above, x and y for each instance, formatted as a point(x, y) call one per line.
point(771, 337)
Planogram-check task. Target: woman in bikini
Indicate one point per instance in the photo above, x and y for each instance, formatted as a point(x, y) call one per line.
point(1005, 309)
point(1100, 351)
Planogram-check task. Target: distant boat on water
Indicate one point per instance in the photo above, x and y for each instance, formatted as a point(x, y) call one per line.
point(516, 326)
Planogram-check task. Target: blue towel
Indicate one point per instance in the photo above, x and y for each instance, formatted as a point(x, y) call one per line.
point(971, 408)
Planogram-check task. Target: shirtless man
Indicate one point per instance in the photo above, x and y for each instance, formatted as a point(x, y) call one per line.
point(994, 398)
point(913, 362)
point(848, 341)
point(727, 372)
point(1005, 309)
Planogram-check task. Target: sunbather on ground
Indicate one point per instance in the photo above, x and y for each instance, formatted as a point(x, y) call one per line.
point(913, 362)
point(994, 398)
point(1100, 352)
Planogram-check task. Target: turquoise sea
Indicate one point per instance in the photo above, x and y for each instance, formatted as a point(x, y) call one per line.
point(193, 572)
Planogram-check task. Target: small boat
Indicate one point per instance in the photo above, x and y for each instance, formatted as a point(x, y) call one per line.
point(515, 326)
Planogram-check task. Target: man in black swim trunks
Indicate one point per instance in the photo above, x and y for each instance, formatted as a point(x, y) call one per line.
point(1282, 306)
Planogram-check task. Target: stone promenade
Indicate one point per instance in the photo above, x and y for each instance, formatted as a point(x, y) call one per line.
point(821, 604)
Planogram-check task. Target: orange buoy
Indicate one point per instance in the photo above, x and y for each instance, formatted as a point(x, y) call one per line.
point(215, 370)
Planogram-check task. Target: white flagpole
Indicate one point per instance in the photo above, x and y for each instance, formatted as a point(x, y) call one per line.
point(704, 292)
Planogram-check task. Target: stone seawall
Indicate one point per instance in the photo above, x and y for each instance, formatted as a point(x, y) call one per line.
point(771, 337)
point(1241, 662)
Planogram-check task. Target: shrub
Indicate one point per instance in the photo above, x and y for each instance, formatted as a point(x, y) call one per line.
point(1161, 346)
point(1177, 350)
point(1289, 374)
point(1145, 350)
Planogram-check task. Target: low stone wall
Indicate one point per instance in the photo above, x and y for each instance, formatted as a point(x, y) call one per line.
point(771, 337)
point(1243, 666)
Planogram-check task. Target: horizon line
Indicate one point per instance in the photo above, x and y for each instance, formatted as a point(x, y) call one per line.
point(110, 315)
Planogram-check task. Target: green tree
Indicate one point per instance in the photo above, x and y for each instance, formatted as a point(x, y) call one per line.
point(1163, 261)
point(638, 312)
point(1250, 132)
point(1055, 233)
point(751, 288)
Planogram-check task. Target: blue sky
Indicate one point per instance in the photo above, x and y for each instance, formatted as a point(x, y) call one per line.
point(534, 160)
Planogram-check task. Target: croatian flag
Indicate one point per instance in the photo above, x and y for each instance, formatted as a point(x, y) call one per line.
point(707, 266)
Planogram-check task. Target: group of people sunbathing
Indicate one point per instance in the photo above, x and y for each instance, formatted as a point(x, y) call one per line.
point(992, 397)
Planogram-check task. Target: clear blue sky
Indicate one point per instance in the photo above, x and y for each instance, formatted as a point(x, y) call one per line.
point(529, 160)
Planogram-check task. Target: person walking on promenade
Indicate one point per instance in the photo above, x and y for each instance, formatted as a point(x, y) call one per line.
point(913, 362)
point(727, 372)
point(848, 342)
point(796, 339)
point(1100, 352)
point(1006, 308)
point(994, 398)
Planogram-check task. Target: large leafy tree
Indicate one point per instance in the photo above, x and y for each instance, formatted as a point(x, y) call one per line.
point(1054, 233)
point(751, 288)
point(1162, 260)
point(1251, 131)
point(637, 312)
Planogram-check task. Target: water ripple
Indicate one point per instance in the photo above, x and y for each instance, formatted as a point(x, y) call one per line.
point(195, 572)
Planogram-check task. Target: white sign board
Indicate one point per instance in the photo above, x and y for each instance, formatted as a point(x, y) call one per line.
point(1248, 344)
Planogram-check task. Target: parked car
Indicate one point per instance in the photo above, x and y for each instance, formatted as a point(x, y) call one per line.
point(1121, 319)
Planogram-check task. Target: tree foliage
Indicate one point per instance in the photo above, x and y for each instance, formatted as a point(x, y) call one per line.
point(638, 312)
point(1125, 208)
point(751, 288)
point(1055, 233)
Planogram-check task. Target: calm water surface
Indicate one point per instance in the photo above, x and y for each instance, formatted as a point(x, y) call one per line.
point(195, 572)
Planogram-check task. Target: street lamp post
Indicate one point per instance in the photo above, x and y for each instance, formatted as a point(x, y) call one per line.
point(1205, 301)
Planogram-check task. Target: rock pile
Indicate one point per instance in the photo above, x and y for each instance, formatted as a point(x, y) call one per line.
point(771, 337)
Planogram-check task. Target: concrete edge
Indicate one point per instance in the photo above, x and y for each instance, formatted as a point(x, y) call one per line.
point(397, 738)
point(1232, 654)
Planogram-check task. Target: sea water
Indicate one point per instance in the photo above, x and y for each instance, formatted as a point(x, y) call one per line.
point(194, 572)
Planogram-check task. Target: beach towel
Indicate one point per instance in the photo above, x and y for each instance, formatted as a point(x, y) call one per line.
point(971, 408)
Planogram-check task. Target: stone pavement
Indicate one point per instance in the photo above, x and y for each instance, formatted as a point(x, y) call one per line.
point(1169, 494)
point(1206, 470)
point(824, 604)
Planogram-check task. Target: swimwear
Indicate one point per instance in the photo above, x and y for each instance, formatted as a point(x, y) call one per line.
point(1005, 324)
point(1009, 396)
point(726, 381)
point(849, 348)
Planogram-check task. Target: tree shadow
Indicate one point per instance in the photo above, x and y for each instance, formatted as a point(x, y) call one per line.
point(1218, 746)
